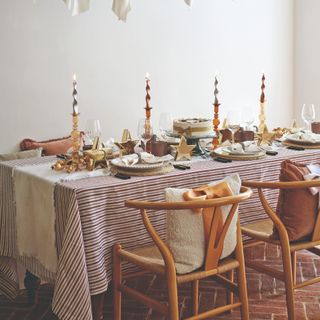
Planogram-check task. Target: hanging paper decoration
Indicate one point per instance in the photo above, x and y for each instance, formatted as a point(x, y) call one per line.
point(77, 6)
point(121, 8)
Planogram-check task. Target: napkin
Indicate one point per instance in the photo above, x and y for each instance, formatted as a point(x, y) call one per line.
point(144, 157)
point(243, 147)
point(121, 8)
point(78, 6)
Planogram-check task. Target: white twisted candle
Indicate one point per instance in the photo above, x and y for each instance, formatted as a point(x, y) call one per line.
point(75, 96)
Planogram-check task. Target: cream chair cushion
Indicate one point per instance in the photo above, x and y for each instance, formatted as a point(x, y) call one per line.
point(185, 232)
point(21, 155)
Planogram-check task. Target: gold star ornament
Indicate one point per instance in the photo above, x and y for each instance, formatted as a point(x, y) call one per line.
point(127, 144)
point(266, 137)
point(183, 150)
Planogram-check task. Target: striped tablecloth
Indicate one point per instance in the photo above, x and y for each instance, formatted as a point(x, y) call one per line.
point(91, 218)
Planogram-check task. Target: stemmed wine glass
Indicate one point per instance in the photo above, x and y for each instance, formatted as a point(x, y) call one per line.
point(145, 131)
point(93, 129)
point(308, 114)
point(234, 119)
point(165, 123)
point(247, 117)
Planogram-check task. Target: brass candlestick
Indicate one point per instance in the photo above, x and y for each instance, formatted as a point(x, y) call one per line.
point(76, 162)
point(262, 116)
point(216, 121)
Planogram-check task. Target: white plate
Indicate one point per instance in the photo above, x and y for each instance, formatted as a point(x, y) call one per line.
point(245, 153)
point(138, 166)
point(293, 138)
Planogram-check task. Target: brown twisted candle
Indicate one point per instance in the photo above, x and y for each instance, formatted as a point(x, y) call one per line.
point(148, 98)
point(216, 121)
point(262, 116)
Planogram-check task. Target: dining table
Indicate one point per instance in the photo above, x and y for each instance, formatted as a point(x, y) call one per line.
point(90, 217)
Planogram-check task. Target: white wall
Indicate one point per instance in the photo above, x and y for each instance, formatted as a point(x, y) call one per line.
point(181, 47)
point(307, 55)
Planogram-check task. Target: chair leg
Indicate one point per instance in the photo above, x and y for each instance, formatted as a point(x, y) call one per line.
point(294, 267)
point(117, 279)
point(195, 297)
point(241, 275)
point(172, 296)
point(288, 279)
point(230, 276)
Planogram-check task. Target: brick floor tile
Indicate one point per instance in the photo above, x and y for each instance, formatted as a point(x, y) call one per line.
point(313, 311)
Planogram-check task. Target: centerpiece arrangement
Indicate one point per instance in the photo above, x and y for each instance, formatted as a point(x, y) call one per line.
point(230, 142)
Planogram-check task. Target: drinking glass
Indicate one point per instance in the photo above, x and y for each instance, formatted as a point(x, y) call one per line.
point(165, 124)
point(93, 129)
point(234, 120)
point(247, 117)
point(145, 131)
point(308, 114)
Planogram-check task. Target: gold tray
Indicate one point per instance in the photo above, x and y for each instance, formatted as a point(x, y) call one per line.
point(301, 145)
point(222, 154)
point(142, 173)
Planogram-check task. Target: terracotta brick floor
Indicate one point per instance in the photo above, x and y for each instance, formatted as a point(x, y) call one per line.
point(266, 295)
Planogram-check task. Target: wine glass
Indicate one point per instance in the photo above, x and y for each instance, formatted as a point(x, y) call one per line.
point(93, 129)
point(145, 131)
point(234, 119)
point(247, 117)
point(308, 114)
point(165, 123)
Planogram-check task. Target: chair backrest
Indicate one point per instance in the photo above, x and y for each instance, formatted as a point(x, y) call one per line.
point(285, 186)
point(216, 235)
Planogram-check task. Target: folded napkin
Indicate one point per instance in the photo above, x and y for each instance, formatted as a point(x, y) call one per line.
point(243, 147)
point(144, 157)
point(35, 213)
point(121, 8)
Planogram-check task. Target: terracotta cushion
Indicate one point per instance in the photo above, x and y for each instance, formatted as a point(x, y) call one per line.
point(50, 147)
point(297, 208)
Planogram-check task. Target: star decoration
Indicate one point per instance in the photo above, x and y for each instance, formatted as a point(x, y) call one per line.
point(128, 146)
point(266, 137)
point(183, 150)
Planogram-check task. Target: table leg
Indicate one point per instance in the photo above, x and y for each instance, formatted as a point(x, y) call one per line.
point(97, 302)
point(32, 284)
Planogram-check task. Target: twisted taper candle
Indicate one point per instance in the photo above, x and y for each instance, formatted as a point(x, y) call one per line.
point(216, 121)
point(148, 98)
point(262, 116)
point(75, 96)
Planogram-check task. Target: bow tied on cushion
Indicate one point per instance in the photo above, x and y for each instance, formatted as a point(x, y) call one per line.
point(212, 233)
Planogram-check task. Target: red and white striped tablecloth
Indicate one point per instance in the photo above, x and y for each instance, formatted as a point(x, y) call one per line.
point(91, 218)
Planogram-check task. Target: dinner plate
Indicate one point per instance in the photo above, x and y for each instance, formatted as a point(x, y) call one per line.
point(237, 153)
point(138, 166)
point(221, 152)
point(293, 138)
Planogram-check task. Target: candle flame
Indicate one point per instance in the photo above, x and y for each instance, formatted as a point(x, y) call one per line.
point(74, 77)
point(147, 76)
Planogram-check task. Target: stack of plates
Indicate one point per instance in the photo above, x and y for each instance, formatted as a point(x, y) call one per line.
point(141, 169)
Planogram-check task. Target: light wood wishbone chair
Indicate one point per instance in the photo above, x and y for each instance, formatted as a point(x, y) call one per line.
point(261, 231)
point(164, 265)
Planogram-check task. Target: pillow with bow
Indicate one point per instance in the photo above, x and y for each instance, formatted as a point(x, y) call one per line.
point(186, 229)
